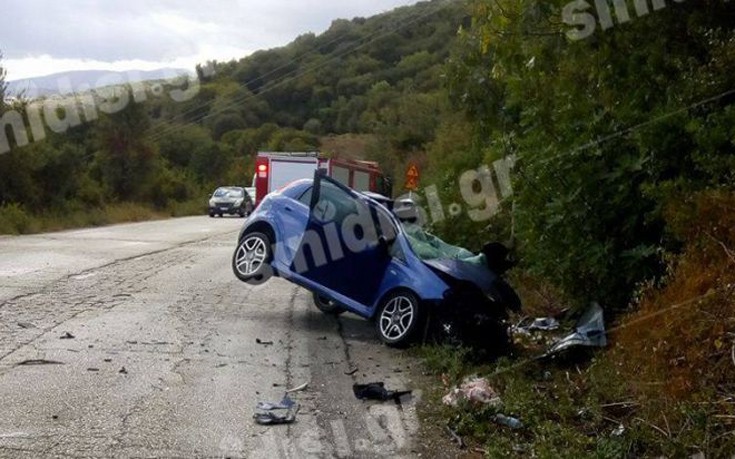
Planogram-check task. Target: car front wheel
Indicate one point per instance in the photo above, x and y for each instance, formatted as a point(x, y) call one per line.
point(398, 318)
point(252, 259)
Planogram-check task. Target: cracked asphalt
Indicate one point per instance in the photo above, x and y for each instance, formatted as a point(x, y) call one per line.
point(136, 340)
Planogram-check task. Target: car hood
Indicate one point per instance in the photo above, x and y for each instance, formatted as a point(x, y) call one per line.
point(482, 277)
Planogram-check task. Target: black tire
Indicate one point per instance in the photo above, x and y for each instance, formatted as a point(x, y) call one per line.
point(220, 215)
point(211, 215)
point(399, 318)
point(327, 306)
point(251, 261)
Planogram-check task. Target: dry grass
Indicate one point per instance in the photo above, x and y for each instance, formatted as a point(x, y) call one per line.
point(679, 345)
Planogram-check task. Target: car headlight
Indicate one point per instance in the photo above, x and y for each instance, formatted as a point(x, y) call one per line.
point(211, 203)
point(238, 203)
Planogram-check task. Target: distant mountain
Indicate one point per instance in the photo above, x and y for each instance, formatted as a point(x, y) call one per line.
point(83, 80)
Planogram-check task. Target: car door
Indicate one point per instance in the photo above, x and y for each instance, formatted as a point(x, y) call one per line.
point(343, 249)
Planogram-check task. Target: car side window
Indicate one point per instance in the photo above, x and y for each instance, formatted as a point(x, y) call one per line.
point(305, 197)
point(334, 204)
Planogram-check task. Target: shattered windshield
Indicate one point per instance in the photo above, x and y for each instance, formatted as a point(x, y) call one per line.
point(429, 247)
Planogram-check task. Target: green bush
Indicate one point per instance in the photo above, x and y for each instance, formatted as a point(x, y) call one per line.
point(14, 219)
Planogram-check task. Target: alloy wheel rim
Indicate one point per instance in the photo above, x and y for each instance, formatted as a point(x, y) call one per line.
point(251, 256)
point(397, 317)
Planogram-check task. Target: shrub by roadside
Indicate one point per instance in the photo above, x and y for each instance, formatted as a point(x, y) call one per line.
point(14, 219)
point(664, 388)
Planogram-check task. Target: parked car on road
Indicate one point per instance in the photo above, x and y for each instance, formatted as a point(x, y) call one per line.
point(230, 200)
point(355, 255)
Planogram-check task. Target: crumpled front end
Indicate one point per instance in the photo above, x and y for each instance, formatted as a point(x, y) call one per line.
point(472, 315)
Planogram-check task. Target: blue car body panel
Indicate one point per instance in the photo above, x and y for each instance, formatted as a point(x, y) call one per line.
point(358, 281)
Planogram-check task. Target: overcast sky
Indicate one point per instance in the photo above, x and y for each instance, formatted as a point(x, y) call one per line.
point(41, 37)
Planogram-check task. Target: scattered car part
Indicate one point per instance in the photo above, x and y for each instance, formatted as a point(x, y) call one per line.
point(589, 332)
point(377, 391)
point(285, 404)
point(266, 416)
point(38, 362)
point(271, 418)
point(298, 388)
point(528, 325)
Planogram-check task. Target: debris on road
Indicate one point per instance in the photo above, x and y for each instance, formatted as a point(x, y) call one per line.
point(285, 404)
point(298, 388)
point(474, 390)
point(352, 372)
point(263, 343)
point(508, 421)
point(93, 369)
point(266, 416)
point(377, 391)
point(123, 371)
point(589, 332)
point(271, 418)
point(67, 335)
point(39, 362)
point(26, 325)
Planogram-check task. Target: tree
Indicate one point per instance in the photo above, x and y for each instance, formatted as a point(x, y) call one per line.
point(602, 129)
point(126, 161)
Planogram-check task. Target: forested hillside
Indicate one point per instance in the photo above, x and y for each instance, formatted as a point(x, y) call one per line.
point(381, 77)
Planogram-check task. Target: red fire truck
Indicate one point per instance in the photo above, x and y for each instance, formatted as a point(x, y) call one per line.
point(274, 170)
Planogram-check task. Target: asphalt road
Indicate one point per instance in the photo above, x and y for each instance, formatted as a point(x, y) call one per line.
point(137, 341)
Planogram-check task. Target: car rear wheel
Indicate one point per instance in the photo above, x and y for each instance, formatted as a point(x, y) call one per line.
point(326, 305)
point(252, 258)
point(398, 318)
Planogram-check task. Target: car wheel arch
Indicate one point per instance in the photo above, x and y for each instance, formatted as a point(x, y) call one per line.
point(261, 227)
point(393, 290)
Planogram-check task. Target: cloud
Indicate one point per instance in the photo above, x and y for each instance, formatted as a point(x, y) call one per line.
point(38, 33)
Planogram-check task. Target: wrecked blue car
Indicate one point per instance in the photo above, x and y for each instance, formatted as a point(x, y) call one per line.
point(353, 253)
